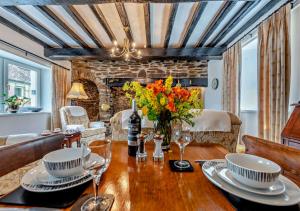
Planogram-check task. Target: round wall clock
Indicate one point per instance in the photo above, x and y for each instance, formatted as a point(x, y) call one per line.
point(215, 83)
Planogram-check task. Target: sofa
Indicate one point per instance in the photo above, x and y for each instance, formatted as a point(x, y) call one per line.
point(227, 139)
point(15, 139)
point(76, 118)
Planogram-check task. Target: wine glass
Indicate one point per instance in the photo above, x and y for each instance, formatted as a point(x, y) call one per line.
point(182, 137)
point(96, 164)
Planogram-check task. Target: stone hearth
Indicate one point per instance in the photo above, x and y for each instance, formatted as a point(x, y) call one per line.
point(98, 71)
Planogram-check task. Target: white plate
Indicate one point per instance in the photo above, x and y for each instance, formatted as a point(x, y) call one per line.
point(276, 189)
point(30, 180)
point(290, 197)
point(44, 178)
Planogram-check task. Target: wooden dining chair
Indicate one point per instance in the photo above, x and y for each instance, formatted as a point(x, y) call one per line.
point(287, 157)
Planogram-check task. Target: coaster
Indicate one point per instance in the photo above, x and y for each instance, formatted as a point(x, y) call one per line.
point(175, 168)
point(79, 203)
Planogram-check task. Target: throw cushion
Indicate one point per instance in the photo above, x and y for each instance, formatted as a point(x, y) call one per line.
point(3, 140)
point(92, 132)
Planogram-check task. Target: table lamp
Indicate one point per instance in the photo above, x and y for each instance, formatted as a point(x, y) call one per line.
point(77, 92)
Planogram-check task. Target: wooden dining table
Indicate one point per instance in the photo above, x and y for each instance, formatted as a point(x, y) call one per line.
point(152, 185)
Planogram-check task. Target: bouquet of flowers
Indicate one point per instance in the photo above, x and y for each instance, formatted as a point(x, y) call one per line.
point(162, 103)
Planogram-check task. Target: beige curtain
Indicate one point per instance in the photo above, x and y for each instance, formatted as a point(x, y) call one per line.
point(231, 78)
point(61, 85)
point(274, 73)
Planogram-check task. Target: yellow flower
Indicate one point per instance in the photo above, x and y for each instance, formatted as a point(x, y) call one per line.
point(168, 84)
point(163, 101)
point(145, 110)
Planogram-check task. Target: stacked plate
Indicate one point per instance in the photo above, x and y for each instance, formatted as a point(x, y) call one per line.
point(59, 170)
point(252, 178)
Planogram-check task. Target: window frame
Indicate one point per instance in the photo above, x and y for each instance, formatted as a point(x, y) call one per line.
point(4, 62)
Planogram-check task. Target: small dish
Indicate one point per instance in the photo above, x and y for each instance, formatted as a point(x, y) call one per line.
point(251, 170)
point(276, 189)
point(64, 162)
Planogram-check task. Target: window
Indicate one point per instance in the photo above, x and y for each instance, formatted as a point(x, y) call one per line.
point(249, 87)
point(24, 80)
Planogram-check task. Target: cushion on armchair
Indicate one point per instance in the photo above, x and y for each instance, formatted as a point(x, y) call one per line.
point(98, 124)
point(92, 132)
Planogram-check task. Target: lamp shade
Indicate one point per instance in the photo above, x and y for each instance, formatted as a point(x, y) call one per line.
point(77, 92)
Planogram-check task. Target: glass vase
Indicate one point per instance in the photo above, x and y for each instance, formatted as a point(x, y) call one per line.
point(163, 126)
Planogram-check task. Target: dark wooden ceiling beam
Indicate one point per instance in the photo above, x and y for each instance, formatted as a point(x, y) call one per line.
point(171, 24)
point(34, 24)
point(100, 17)
point(148, 53)
point(61, 25)
point(79, 2)
point(252, 21)
point(195, 19)
point(219, 17)
point(247, 7)
point(22, 31)
point(124, 19)
point(147, 24)
point(81, 22)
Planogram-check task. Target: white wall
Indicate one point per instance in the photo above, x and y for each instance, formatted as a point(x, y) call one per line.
point(295, 55)
point(213, 98)
point(11, 124)
point(12, 37)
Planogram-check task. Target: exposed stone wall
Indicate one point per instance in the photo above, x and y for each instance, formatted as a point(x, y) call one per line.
point(97, 71)
point(92, 104)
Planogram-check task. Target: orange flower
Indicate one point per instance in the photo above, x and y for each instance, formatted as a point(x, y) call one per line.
point(171, 105)
point(181, 93)
point(157, 87)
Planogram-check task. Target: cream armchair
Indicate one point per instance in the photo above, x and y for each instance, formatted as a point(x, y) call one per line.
point(75, 117)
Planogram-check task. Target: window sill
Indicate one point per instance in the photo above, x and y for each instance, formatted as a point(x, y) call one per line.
point(23, 114)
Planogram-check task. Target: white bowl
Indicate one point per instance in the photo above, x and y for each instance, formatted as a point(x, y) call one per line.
point(252, 170)
point(64, 162)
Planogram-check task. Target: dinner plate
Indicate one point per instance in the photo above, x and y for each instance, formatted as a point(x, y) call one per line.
point(31, 182)
point(291, 196)
point(44, 178)
point(276, 189)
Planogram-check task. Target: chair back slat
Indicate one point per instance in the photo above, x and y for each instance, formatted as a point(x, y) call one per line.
point(287, 157)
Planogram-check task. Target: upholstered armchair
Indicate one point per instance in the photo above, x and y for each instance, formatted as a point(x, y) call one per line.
point(75, 117)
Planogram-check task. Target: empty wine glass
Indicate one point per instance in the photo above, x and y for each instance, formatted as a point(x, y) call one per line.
point(182, 137)
point(96, 164)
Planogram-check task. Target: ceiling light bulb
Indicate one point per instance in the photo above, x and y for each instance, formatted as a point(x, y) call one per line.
point(115, 43)
point(133, 44)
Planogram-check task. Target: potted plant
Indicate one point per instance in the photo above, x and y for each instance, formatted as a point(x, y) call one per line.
point(14, 102)
point(165, 104)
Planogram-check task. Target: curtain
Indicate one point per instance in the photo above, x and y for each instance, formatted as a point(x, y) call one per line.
point(60, 86)
point(231, 78)
point(274, 73)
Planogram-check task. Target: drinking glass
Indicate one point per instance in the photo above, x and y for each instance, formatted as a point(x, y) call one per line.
point(182, 137)
point(96, 164)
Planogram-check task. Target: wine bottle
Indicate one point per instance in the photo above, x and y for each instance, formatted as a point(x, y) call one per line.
point(134, 129)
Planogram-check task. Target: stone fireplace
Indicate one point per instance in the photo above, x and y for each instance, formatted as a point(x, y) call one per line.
point(108, 77)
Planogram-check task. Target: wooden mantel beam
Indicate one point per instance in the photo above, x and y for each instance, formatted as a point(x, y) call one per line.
point(78, 2)
point(203, 53)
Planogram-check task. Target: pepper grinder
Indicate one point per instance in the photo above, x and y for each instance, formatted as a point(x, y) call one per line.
point(158, 154)
point(141, 154)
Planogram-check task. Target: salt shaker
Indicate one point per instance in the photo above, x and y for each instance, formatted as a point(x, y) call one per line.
point(158, 154)
point(141, 154)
